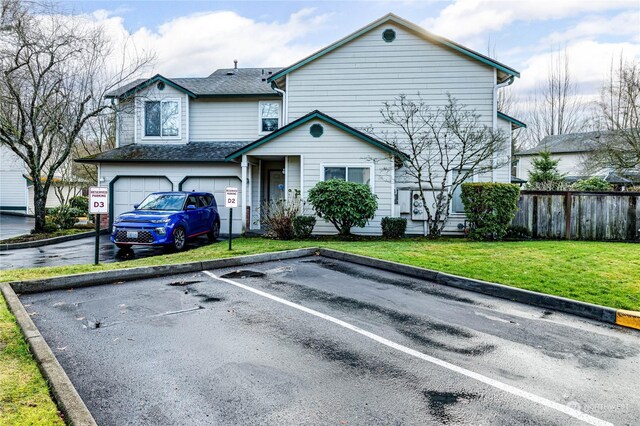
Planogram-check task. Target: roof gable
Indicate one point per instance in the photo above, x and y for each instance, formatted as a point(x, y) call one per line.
point(504, 69)
point(327, 119)
point(143, 84)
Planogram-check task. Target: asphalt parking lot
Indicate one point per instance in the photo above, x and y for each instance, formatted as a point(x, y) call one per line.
point(318, 341)
point(14, 225)
point(79, 252)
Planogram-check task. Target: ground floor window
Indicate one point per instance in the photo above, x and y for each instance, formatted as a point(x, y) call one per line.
point(348, 173)
point(457, 206)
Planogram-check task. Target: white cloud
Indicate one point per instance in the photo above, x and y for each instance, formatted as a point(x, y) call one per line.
point(198, 44)
point(623, 24)
point(466, 18)
point(589, 63)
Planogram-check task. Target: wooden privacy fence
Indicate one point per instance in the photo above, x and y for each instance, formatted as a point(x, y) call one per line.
point(601, 216)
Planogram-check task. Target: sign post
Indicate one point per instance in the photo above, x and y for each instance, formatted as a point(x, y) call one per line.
point(98, 204)
point(230, 201)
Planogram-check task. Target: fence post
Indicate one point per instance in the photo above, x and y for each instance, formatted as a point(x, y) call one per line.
point(567, 215)
point(534, 216)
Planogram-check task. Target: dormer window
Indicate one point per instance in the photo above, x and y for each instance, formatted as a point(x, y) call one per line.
point(162, 118)
point(269, 116)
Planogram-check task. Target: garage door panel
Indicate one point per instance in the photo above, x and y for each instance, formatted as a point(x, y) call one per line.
point(217, 186)
point(128, 191)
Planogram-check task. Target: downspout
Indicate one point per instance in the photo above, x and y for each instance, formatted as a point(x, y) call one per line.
point(506, 83)
point(284, 101)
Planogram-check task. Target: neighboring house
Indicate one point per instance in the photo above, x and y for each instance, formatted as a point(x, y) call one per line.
point(14, 196)
point(273, 132)
point(572, 150)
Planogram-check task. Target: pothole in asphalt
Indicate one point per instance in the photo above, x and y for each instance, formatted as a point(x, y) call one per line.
point(440, 403)
point(182, 283)
point(243, 273)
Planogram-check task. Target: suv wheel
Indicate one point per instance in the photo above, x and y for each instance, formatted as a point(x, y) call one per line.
point(214, 233)
point(179, 238)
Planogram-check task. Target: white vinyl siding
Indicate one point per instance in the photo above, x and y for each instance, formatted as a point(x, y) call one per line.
point(333, 147)
point(13, 185)
point(352, 82)
point(224, 120)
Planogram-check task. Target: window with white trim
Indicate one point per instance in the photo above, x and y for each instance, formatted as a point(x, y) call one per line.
point(457, 206)
point(162, 118)
point(355, 174)
point(269, 116)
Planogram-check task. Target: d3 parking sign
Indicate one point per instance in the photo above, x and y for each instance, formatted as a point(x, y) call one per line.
point(231, 197)
point(98, 200)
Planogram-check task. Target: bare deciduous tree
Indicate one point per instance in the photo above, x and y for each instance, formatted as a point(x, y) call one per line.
point(556, 107)
point(619, 113)
point(56, 69)
point(444, 146)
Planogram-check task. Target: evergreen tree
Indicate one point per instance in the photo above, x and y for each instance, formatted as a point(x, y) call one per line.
point(545, 175)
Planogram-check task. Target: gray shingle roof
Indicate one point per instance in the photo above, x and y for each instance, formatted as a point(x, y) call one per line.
point(222, 82)
point(571, 142)
point(190, 152)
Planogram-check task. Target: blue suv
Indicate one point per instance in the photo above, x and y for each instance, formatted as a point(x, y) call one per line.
point(168, 219)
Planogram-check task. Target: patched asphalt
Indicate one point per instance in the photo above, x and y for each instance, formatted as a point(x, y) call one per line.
point(191, 349)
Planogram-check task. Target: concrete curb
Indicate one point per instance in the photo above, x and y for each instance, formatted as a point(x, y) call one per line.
point(65, 394)
point(107, 277)
point(55, 240)
point(586, 310)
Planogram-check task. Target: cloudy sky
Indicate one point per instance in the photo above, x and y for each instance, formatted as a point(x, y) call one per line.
point(193, 38)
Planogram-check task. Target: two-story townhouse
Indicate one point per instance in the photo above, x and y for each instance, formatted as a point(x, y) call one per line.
point(276, 131)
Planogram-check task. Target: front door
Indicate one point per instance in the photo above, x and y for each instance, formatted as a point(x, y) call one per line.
point(275, 187)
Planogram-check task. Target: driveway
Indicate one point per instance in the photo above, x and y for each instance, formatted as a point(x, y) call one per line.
point(13, 226)
point(313, 341)
point(78, 252)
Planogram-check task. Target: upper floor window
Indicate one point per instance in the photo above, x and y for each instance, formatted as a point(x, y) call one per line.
point(269, 116)
point(162, 118)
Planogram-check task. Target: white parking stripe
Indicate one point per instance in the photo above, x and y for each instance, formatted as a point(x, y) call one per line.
point(479, 377)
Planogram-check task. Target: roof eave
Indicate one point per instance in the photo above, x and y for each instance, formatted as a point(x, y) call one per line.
point(149, 82)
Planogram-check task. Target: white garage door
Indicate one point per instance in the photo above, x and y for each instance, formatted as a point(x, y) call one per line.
point(128, 191)
point(217, 185)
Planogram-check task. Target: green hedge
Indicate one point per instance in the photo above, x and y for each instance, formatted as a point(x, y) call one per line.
point(303, 226)
point(490, 207)
point(393, 227)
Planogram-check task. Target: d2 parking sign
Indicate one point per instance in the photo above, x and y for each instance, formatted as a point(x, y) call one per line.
point(98, 200)
point(231, 197)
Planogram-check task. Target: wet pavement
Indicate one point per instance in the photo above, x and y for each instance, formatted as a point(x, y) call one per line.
point(13, 226)
point(79, 252)
point(278, 343)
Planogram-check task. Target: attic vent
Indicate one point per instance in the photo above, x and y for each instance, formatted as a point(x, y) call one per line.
point(160, 85)
point(388, 35)
point(316, 130)
point(230, 73)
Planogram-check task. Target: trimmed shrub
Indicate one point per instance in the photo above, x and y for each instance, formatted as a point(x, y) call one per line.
point(516, 232)
point(344, 204)
point(81, 203)
point(393, 227)
point(594, 183)
point(490, 207)
point(303, 226)
point(64, 217)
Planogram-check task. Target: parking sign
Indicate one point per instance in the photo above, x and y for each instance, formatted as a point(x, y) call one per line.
point(98, 200)
point(231, 197)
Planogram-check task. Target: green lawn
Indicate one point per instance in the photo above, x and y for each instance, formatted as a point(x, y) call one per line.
point(602, 273)
point(24, 395)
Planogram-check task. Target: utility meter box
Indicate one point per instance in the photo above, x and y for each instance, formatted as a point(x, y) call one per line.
point(418, 211)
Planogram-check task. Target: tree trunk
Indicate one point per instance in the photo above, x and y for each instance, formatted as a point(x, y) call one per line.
point(39, 206)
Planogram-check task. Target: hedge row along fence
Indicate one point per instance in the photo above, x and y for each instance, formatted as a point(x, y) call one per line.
point(599, 216)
